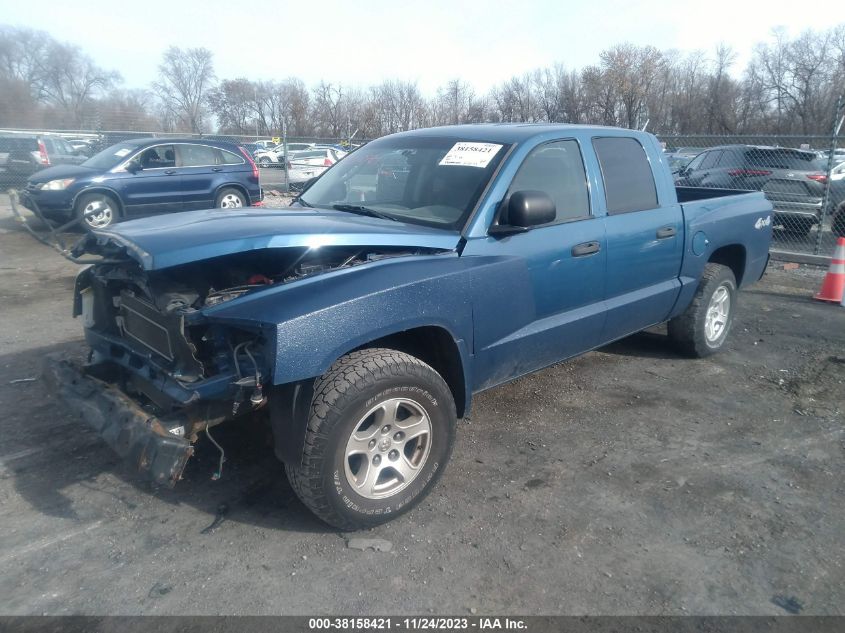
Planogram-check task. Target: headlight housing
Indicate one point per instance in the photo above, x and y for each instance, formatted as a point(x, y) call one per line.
point(58, 185)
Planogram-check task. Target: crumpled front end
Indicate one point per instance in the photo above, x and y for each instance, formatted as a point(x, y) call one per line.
point(169, 359)
point(152, 444)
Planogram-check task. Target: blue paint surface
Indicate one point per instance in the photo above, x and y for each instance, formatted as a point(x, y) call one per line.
point(511, 304)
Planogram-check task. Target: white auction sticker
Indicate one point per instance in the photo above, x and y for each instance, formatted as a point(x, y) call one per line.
point(471, 154)
point(122, 152)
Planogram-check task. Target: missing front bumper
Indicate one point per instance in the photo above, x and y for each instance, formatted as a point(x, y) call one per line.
point(129, 430)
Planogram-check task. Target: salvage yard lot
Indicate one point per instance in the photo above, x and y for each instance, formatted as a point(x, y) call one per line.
point(630, 480)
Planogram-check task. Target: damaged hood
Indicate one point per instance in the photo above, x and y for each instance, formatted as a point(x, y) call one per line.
point(170, 240)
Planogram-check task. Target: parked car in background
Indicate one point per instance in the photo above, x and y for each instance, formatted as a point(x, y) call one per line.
point(270, 157)
point(837, 203)
point(265, 144)
point(252, 148)
point(22, 155)
point(275, 157)
point(299, 147)
point(83, 146)
point(791, 179)
point(680, 157)
point(145, 177)
point(305, 165)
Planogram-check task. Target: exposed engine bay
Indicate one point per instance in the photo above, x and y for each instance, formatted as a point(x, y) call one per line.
point(158, 314)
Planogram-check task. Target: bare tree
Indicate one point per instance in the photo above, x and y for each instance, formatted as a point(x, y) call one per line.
point(328, 108)
point(233, 103)
point(125, 110)
point(70, 80)
point(185, 78)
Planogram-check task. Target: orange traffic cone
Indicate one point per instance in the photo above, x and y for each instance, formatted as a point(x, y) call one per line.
point(833, 286)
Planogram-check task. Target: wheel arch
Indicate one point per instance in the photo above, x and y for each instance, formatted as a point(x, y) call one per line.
point(111, 193)
point(734, 257)
point(233, 185)
point(434, 345)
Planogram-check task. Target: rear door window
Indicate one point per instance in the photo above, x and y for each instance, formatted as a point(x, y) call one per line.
point(628, 179)
point(230, 158)
point(197, 155)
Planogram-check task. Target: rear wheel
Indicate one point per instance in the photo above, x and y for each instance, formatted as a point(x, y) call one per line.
point(264, 161)
point(230, 199)
point(379, 435)
point(704, 326)
point(97, 210)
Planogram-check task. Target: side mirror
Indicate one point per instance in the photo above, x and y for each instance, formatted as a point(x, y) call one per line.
point(530, 208)
point(133, 166)
point(525, 209)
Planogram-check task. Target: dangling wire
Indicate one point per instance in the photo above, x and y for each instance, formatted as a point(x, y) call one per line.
point(219, 472)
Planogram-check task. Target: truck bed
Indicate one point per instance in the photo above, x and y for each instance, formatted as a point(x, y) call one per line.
point(691, 194)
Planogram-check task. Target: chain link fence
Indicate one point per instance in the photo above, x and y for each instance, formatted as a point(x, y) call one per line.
point(802, 176)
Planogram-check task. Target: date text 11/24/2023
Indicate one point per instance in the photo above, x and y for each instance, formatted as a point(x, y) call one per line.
point(416, 623)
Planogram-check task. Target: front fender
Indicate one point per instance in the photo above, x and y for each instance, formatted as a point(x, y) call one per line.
point(319, 319)
point(98, 188)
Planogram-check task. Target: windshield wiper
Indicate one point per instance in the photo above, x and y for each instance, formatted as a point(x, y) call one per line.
point(352, 208)
point(299, 200)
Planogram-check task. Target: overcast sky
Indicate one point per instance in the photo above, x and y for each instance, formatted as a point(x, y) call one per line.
point(431, 41)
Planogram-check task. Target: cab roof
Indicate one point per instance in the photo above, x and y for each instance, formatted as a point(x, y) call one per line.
point(512, 132)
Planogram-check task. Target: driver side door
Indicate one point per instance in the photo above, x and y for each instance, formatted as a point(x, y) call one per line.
point(156, 188)
point(547, 302)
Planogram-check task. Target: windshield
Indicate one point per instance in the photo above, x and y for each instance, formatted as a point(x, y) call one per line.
point(110, 157)
point(418, 179)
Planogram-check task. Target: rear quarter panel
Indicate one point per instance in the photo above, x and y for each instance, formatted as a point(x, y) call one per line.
point(743, 220)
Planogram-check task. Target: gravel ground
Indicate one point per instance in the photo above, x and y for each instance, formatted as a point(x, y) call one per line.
point(628, 481)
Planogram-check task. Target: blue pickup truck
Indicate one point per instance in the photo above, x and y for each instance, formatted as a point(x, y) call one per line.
point(423, 268)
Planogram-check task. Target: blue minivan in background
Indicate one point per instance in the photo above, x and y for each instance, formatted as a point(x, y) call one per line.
point(145, 177)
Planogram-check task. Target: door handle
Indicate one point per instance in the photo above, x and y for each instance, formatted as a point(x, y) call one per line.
point(585, 248)
point(666, 231)
point(216, 169)
point(169, 172)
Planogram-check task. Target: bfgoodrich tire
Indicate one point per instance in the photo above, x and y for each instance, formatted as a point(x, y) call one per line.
point(704, 326)
point(380, 432)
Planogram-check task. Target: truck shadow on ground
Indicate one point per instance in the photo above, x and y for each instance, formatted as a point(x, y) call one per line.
point(653, 343)
point(60, 466)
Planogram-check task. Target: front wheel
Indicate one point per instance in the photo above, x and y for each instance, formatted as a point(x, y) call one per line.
point(380, 433)
point(230, 199)
point(704, 326)
point(97, 210)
